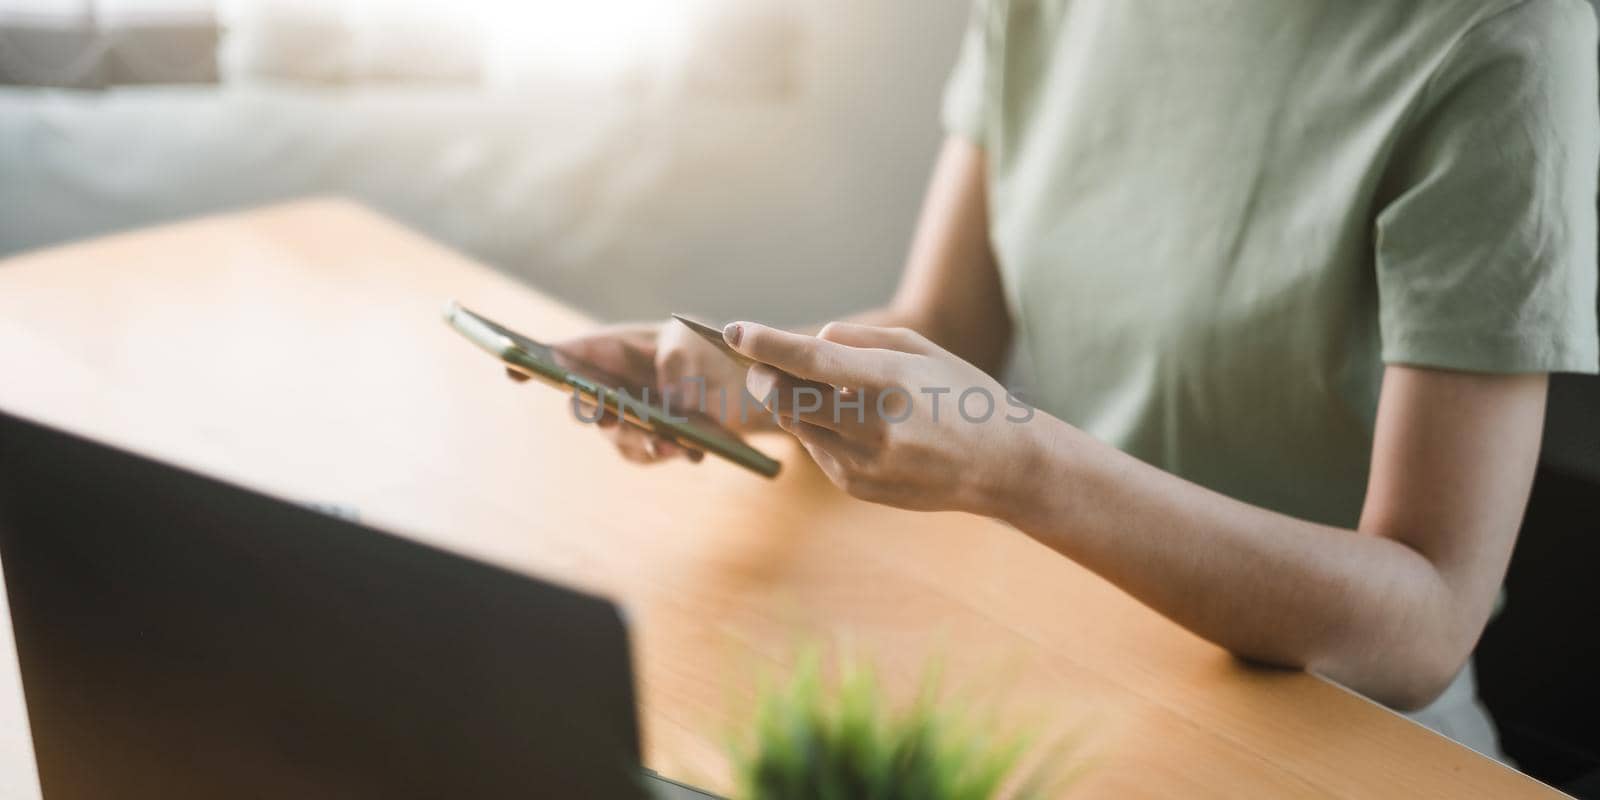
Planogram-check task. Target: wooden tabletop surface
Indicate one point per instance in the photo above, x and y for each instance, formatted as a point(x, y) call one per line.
point(299, 350)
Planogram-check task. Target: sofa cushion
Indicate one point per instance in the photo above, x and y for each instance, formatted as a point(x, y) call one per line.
point(91, 44)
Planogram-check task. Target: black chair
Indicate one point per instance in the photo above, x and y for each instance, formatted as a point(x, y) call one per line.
point(1539, 661)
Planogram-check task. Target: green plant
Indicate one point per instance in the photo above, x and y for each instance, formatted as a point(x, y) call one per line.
point(812, 739)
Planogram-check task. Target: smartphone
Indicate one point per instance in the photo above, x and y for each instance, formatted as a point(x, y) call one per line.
point(538, 360)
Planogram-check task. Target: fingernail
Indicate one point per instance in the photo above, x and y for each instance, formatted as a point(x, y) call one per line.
point(732, 333)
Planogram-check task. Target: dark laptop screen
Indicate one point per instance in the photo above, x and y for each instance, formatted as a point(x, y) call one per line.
point(184, 638)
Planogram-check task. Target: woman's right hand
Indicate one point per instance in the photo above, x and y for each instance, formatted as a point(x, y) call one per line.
point(671, 361)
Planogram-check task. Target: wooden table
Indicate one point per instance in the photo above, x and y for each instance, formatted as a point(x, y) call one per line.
point(298, 350)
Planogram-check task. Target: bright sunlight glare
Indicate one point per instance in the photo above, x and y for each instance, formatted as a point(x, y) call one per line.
point(585, 36)
point(522, 37)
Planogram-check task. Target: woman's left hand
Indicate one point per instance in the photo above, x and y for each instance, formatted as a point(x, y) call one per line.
point(891, 417)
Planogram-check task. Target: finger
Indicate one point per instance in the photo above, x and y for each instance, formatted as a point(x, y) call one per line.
point(516, 376)
point(685, 396)
point(652, 447)
point(672, 365)
point(586, 411)
point(638, 335)
point(825, 461)
point(816, 403)
point(666, 449)
point(827, 449)
point(635, 445)
point(590, 348)
point(818, 436)
point(853, 334)
point(806, 356)
point(619, 362)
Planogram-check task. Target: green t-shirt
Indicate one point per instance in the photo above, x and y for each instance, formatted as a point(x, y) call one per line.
point(1217, 220)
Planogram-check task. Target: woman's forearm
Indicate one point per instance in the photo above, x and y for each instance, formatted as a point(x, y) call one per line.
point(1365, 610)
point(1391, 609)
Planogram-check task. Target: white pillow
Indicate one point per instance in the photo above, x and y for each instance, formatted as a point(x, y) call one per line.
point(97, 43)
point(729, 47)
point(344, 41)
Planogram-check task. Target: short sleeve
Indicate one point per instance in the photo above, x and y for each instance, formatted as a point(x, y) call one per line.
point(1486, 253)
point(964, 94)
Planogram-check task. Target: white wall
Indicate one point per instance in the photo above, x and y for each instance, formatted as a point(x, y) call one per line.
point(787, 209)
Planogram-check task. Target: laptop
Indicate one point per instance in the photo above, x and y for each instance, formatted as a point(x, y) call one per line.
point(182, 638)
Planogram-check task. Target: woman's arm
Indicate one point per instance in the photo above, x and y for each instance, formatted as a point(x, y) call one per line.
point(1391, 608)
point(950, 290)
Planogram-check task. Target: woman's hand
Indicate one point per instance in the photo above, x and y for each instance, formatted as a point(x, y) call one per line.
point(697, 378)
point(890, 416)
point(670, 362)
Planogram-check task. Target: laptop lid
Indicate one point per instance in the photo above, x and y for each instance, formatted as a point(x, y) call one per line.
point(184, 638)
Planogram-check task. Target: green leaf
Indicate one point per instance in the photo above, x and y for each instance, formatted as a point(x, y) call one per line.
point(811, 739)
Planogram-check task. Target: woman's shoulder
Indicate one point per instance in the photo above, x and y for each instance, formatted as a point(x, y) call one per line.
point(1522, 45)
point(1519, 23)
